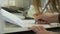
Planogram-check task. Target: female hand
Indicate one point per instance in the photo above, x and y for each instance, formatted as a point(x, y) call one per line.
point(46, 18)
point(41, 30)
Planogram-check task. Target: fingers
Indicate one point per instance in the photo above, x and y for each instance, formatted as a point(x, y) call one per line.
point(50, 32)
point(41, 30)
point(37, 28)
point(34, 29)
point(36, 14)
point(41, 21)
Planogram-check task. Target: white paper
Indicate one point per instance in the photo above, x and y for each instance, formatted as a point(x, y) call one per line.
point(11, 18)
point(15, 20)
point(30, 23)
point(1, 24)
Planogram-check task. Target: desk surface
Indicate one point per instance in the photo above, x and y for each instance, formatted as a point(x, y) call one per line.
point(9, 28)
point(13, 28)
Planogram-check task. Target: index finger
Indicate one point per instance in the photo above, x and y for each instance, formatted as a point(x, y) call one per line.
point(37, 28)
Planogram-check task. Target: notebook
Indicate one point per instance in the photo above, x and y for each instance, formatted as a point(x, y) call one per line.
point(11, 18)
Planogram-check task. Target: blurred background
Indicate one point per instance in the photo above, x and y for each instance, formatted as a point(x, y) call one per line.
point(20, 6)
point(22, 9)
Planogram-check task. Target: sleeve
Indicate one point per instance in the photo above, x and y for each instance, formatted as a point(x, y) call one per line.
point(59, 18)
